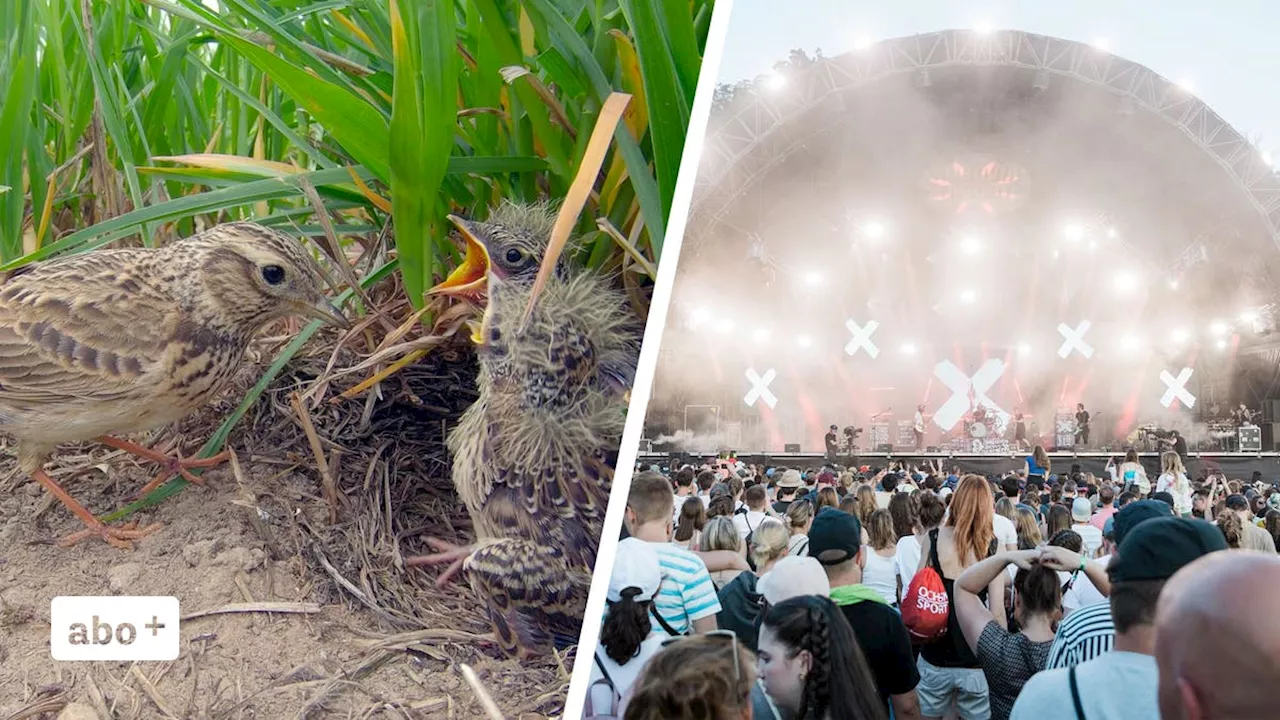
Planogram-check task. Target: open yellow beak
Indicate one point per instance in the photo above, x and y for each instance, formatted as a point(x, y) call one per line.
point(468, 280)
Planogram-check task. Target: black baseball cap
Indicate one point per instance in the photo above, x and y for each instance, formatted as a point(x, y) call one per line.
point(1158, 548)
point(1237, 502)
point(834, 537)
point(1128, 517)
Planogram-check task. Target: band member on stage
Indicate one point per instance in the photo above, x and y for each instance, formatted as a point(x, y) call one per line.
point(1020, 429)
point(1179, 444)
point(918, 427)
point(1082, 425)
point(1242, 416)
point(833, 448)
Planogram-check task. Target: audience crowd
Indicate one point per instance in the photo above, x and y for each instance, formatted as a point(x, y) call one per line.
point(919, 592)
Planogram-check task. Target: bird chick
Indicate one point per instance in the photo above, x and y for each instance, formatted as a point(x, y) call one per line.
point(123, 341)
point(533, 458)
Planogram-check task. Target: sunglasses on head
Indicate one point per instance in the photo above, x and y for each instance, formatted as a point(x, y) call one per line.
point(731, 635)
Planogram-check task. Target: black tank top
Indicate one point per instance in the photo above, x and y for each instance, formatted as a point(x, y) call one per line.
point(951, 650)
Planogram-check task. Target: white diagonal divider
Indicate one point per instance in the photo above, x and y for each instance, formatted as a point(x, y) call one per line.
point(862, 338)
point(1074, 339)
point(960, 384)
point(760, 388)
point(1176, 387)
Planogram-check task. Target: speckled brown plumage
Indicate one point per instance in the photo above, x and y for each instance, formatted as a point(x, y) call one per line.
point(121, 341)
point(533, 457)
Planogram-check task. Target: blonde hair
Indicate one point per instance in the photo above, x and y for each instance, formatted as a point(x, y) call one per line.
point(1171, 463)
point(799, 514)
point(720, 534)
point(1232, 528)
point(880, 530)
point(769, 542)
point(1029, 537)
point(866, 503)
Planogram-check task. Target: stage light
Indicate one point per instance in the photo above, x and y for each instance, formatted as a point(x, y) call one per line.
point(970, 245)
point(1218, 328)
point(699, 316)
point(776, 81)
point(1024, 349)
point(1173, 284)
point(813, 278)
point(1093, 244)
point(804, 341)
point(968, 296)
point(1073, 232)
point(1187, 84)
point(1111, 233)
point(873, 229)
point(1222, 344)
point(725, 327)
point(909, 348)
point(1249, 317)
point(760, 334)
point(982, 27)
point(1124, 281)
point(862, 42)
point(1180, 335)
point(1129, 343)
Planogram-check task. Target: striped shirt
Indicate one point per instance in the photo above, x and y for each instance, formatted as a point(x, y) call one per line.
point(686, 593)
point(1083, 635)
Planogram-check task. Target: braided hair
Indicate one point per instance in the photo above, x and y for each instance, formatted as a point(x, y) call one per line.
point(626, 625)
point(839, 683)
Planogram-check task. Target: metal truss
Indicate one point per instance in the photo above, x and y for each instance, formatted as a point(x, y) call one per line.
point(756, 132)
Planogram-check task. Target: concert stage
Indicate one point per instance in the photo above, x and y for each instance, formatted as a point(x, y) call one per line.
point(1235, 465)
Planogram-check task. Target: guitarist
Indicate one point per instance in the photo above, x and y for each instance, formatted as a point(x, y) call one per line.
point(918, 426)
point(1082, 425)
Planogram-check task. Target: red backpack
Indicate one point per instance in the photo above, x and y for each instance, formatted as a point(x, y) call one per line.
point(925, 605)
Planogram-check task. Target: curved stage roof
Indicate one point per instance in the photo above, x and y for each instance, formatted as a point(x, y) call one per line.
point(1013, 133)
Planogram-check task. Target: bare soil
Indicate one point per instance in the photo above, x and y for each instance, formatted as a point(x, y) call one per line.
point(385, 643)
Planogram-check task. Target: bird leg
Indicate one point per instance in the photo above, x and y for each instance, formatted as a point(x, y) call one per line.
point(172, 465)
point(446, 552)
point(116, 537)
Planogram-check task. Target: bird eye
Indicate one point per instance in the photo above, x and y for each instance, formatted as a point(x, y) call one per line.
point(273, 274)
point(514, 256)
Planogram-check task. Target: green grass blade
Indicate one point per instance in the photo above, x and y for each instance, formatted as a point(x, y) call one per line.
point(18, 67)
point(667, 100)
point(352, 121)
point(423, 119)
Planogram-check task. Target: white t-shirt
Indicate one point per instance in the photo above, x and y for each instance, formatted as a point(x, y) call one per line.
point(1091, 535)
point(880, 574)
point(748, 522)
point(908, 559)
point(679, 503)
point(1006, 532)
point(1113, 686)
point(623, 676)
point(1083, 592)
point(1180, 488)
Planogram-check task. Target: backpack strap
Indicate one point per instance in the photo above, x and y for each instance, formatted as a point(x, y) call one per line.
point(1075, 693)
point(653, 609)
point(933, 551)
point(615, 700)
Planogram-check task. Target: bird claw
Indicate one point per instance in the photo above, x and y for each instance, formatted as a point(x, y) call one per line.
point(180, 466)
point(118, 537)
point(446, 552)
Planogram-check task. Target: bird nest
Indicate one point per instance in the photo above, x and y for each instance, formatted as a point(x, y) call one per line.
point(384, 484)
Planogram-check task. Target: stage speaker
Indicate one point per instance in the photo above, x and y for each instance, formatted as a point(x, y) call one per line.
point(791, 448)
point(1271, 411)
point(1250, 439)
point(884, 448)
point(646, 445)
point(932, 449)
